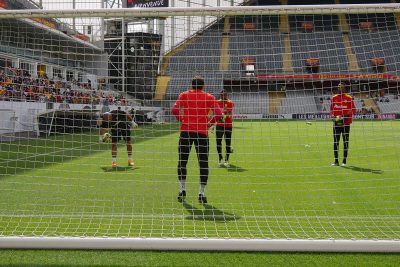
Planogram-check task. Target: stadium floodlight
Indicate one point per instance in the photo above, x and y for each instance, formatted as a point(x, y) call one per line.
point(59, 190)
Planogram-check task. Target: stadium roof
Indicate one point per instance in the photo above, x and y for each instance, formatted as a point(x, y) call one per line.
point(59, 33)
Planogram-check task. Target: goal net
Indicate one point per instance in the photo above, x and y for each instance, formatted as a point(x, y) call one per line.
point(62, 68)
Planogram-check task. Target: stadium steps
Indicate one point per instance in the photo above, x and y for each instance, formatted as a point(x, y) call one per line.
point(287, 55)
point(161, 87)
point(345, 29)
point(284, 20)
point(397, 15)
point(343, 25)
point(275, 101)
point(398, 21)
point(370, 103)
point(393, 106)
point(361, 95)
point(224, 58)
point(284, 24)
point(181, 47)
point(351, 57)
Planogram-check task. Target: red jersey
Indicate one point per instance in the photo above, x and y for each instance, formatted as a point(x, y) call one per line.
point(343, 105)
point(196, 106)
point(227, 107)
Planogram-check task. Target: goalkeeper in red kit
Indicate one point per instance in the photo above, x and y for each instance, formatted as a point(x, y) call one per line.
point(342, 109)
point(192, 109)
point(224, 127)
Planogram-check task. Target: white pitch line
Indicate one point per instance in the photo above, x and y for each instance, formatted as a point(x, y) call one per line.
point(359, 217)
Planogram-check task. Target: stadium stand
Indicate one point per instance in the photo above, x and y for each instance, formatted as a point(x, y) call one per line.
point(323, 102)
point(261, 23)
point(181, 82)
point(388, 104)
point(379, 22)
point(327, 46)
point(340, 43)
point(200, 55)
point(265, 47)
point(298, 101)
point(320, 22)
point(250, 102)
point(18, 85)
point(385, 44)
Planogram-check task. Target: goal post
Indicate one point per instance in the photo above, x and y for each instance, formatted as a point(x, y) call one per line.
point(281, 65)
point(190, 244)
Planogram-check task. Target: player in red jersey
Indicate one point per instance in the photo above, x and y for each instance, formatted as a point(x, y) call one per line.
point(342, 109)
point(224, 127)
point(192, 109)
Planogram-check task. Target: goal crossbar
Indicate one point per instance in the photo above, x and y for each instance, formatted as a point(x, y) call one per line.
point(195, 11)
point(209, 244)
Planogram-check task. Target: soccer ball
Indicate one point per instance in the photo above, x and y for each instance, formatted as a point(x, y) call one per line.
point(106, 138)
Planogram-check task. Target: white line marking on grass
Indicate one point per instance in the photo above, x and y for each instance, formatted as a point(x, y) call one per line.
point(357, 217)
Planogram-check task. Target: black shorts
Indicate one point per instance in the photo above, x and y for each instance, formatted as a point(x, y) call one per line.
point(220, 131)
point(118, 134)
point(341, 130)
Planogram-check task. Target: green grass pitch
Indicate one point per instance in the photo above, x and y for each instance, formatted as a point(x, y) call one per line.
point(280, 185)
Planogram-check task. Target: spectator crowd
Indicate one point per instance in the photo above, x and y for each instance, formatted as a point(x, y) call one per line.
point(18, 85)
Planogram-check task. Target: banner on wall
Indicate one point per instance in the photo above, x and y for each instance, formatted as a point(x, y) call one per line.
point(247, 116)
point(328, 76)
point(147, 3)
point(388, 116)
point(327, 116)
point(312, 116)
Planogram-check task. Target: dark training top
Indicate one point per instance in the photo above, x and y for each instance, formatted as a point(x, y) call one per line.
point(119, 120)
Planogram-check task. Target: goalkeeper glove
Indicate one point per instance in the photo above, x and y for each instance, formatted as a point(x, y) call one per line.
point(106, 138)
point(134, 124)
point(212, 128)
point(339, 120)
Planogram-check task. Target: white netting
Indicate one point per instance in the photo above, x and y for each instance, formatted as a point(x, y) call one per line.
point(280, 67)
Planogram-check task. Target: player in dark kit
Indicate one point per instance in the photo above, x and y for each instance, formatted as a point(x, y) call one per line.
point(192, 109)
point(342, 109)
point(224, 127)
point(120, 123)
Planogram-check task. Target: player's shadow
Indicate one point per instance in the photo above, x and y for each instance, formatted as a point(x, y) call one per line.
point(209, 213)
point(118, 169)
point(359, 169)
point(234, 168)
